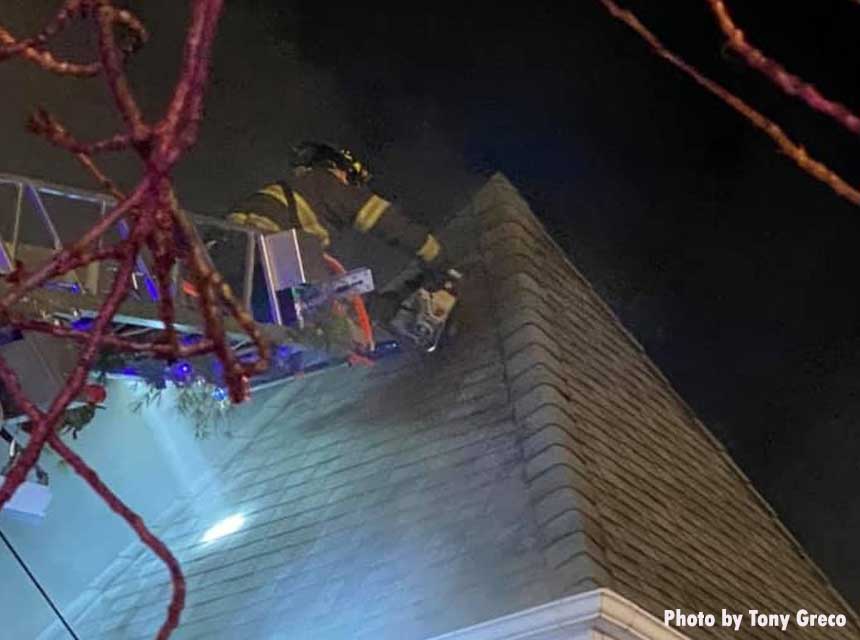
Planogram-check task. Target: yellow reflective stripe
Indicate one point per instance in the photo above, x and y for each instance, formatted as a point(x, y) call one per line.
point(253, 220)
point(308, 220)
point(430, 249)
point(306, 215)
point(370, 213)
point(276, 191)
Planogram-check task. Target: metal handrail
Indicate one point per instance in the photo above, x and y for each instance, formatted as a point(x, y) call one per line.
point(35, 187)
point(98, 197)
point(105, 202)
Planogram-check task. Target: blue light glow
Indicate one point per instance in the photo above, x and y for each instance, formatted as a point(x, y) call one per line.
point(83, 324)
point(151, 288)
point(181, 372)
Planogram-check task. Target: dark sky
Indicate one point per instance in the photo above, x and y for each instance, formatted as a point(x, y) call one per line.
point(735, 270)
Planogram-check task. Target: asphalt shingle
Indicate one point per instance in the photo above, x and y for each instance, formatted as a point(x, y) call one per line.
point(540, 455)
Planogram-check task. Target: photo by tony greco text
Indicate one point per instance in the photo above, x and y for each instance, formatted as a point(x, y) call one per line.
point(752, 618)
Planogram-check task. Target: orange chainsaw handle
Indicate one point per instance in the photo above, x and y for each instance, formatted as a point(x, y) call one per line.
point(336, 268)
point(358, 306)
point(189, 289)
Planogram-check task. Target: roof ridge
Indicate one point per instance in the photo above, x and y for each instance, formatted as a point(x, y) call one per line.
point(557, 478)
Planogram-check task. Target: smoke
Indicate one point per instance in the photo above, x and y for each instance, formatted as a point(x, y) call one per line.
point(264, 95)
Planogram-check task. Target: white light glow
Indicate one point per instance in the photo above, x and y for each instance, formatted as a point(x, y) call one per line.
point(224, 528)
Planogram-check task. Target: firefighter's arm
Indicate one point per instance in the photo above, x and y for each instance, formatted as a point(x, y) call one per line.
point(263, 210)
point(370, 213)
point(386, 221)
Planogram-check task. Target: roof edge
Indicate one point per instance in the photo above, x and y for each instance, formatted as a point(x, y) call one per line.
point(598, 610)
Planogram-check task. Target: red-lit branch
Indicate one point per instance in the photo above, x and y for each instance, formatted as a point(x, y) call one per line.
point(157, 223)
point(32, 49)
point(112, 65)
point(796, 152)
point(44, 124)
point(791, 84)
point(44, 422)
point(177, 602)
point(69, 258)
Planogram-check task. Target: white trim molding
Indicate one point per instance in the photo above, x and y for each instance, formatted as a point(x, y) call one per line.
point(596, 615)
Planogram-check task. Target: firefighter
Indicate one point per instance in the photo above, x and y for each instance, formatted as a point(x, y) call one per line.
point(328, 191)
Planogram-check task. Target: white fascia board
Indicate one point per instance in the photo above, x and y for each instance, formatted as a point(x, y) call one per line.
point(582, 616)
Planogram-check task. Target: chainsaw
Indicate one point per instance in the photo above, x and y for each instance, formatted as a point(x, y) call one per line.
point(424, 315)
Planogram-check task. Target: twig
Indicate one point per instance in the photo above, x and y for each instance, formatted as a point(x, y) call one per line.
point(791, 84)
point(813, 167)
point(157, 223)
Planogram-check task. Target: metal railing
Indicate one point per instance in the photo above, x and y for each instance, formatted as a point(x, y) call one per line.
point(283, 257)
point(33, 191)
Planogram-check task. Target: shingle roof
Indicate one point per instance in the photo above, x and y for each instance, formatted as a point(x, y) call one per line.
point(540, 455)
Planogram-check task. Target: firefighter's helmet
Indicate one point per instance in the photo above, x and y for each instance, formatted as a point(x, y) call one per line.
point(319, 154)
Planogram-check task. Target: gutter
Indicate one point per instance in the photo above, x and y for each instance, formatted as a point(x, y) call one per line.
point(577, 617)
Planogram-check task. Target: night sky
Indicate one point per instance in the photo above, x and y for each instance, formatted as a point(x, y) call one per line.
point(734, 269)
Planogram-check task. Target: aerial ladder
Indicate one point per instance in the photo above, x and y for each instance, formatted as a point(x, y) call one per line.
point(284, 279)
